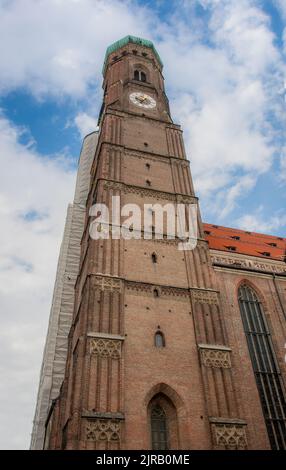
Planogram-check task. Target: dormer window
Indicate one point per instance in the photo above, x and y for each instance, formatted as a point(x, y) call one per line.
point(140, 76)
point(235, 237)
point(266, 253)
point(231, 248)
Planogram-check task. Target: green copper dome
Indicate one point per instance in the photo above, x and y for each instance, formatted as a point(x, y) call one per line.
point(122, 42)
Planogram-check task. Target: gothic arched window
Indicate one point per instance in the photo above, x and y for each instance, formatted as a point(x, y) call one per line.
point(159, 340)
point(140, 76)
point(159, 428)
point(266, 369)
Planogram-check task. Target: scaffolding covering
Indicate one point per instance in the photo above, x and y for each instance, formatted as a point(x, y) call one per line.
point(55, 351)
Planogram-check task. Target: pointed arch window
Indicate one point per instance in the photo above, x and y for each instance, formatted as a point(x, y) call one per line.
point(159, 428)
point(265, 366)
point(140, 76)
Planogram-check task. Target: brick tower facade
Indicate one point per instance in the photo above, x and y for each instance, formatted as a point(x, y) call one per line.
point(149, 360)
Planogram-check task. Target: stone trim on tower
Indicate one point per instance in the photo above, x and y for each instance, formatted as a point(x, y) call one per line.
point(105, 346)
point(228, 434)
point(215, 356)
point(103, 430)
point(205, 296)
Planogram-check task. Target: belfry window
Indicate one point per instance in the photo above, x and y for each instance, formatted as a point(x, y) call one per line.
point(159, 340)
point(265, 366)
point(159, 428)
point(140, 76)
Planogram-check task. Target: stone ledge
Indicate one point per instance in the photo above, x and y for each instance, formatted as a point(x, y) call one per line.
point(220, 420)
point(92, 334)
point(102, 415)
point(214, 346)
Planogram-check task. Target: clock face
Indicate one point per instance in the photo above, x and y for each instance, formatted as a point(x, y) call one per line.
point(142, 100)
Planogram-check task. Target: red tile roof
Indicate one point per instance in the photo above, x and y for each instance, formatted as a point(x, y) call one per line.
point(246, 243)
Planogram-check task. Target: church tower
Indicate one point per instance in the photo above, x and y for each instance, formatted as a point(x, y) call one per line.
point(149, 365)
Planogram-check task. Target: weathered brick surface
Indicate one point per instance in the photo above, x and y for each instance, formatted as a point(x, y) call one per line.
point(115, 300)
point(242, 368)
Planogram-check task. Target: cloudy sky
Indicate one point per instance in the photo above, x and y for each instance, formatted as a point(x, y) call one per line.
point(224, 65)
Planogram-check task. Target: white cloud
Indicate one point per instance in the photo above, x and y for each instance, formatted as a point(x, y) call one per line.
point(245, 32)
point(227, 198)
point(57, 46)
point(257, 222)
point(85, 124)
point(33, 199)
point(224, 90)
